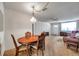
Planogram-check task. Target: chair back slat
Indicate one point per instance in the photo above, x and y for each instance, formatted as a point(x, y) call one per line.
point(41, 42)
point(14, 41)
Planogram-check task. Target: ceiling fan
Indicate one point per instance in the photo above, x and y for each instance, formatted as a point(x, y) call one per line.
point(55, 19)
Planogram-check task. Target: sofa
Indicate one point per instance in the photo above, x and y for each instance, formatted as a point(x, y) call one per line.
point(63, 34)
point(72, 40)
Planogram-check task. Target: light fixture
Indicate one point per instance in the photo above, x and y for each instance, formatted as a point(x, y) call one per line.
point(44, 7)
point(55, 26)
point(33, 19)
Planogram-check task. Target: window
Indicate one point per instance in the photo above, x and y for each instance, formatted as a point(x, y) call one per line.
point(69, 26)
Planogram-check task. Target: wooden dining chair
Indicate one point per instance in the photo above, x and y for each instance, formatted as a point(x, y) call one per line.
point(18, 48)
point(40, 44)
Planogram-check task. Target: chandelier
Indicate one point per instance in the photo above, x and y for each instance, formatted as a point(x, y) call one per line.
point(33, 19)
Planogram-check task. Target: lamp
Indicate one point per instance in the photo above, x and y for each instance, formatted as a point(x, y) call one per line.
point(33, 20)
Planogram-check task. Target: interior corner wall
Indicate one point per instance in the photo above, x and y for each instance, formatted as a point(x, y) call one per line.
point(16, 23)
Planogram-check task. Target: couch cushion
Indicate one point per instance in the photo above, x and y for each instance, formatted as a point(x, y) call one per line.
point(70, 39)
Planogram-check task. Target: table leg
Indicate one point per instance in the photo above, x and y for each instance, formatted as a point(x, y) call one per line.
point(27, 47)
point(28, 50)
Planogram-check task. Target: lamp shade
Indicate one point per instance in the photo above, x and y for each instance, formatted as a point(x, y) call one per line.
point(33, 19)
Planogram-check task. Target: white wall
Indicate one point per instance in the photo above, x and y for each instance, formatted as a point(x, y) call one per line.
point(1, 37)
point(41, 27)
point(55, 28)
point(16, 23)
point(1, 27)
point(58, 29)
point(1, 30)
point(1, 21)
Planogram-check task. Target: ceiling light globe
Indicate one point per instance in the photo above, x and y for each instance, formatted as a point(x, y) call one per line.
point(33, 19)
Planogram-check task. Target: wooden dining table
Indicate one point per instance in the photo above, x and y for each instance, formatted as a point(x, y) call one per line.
point(28, 41)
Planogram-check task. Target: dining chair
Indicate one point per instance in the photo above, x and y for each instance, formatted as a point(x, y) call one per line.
point(28, 34)
point(18, 48)
point(40, 44)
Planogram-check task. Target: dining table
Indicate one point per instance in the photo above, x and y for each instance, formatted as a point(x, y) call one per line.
point(28, 41)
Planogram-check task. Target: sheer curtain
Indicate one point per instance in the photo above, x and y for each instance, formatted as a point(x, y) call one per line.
point(68, 26)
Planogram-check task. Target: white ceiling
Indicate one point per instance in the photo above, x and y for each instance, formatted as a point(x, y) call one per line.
point(59, 10)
